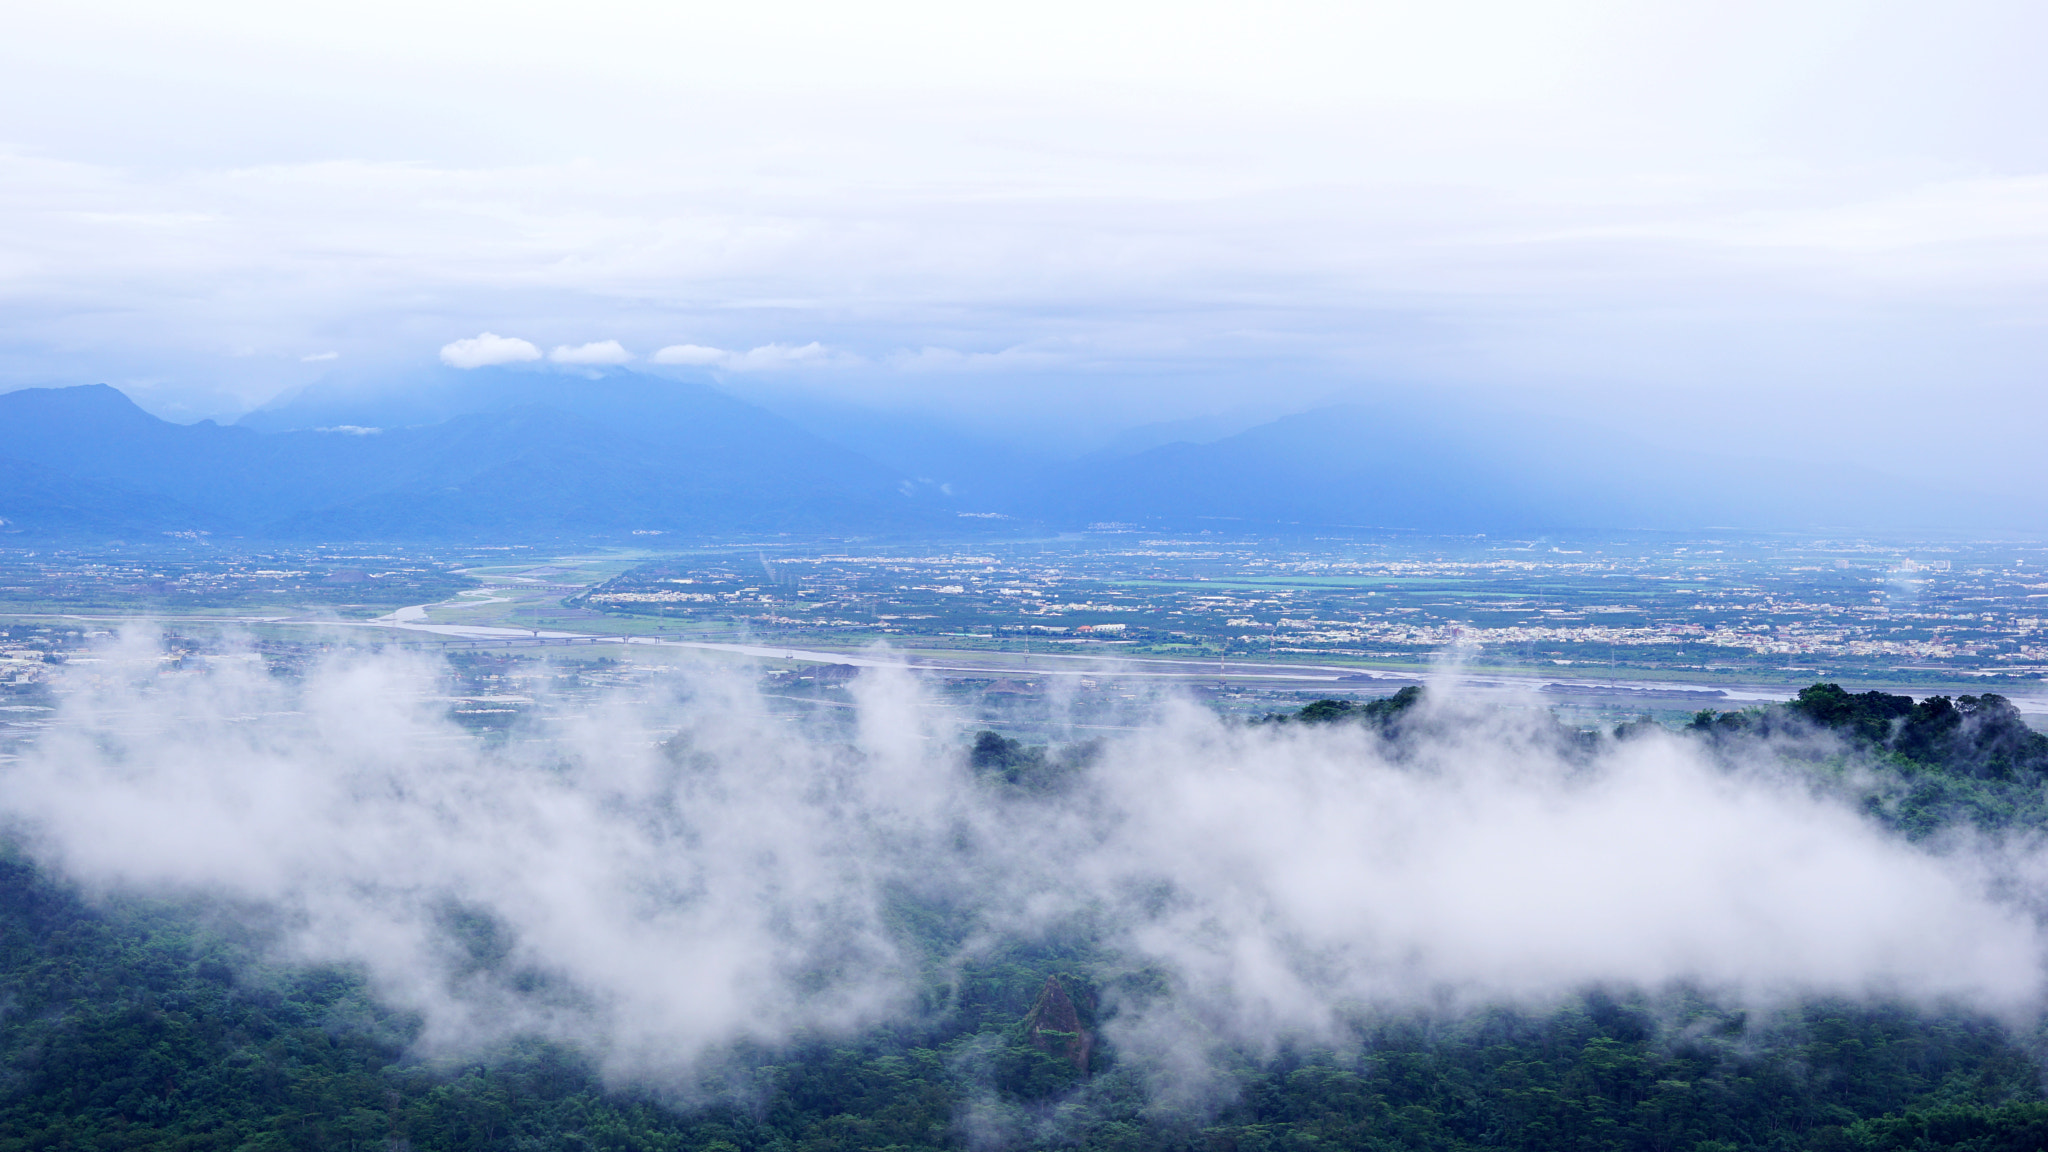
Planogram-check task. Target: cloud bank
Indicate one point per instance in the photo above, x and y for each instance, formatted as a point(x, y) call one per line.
point(671, 877)
point(1628, 215)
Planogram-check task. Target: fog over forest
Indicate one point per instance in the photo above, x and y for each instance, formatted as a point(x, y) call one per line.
point(1381, 575)
point(660, 882)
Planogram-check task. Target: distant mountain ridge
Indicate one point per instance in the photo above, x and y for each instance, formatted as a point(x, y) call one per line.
point(1413, 469)
point(88, 460)
point(1349, 467)
point(517, 454)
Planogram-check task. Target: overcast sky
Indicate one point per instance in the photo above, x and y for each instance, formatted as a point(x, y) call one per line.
point(1762, 219)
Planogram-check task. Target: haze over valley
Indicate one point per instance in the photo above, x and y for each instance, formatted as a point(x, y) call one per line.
point(1107, 577)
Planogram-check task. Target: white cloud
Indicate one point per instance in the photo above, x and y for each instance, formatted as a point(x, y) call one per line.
point(931, 358)
point(318, 356)
point(596, 352)
point(766, 357)
point(487, 348)
point(690, 354)
point(771, 356)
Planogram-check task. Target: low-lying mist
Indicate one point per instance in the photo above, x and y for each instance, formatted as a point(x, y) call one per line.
point(659, 882)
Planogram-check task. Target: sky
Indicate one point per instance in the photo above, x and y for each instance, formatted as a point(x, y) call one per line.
point(1810, 227)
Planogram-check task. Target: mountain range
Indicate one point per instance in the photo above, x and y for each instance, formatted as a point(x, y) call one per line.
point(87, 460)
point(522, 454)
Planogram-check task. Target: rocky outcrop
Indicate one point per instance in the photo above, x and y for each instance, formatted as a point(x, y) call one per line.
point(1054, 1026)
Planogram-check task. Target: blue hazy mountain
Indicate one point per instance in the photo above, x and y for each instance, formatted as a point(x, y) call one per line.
point(1340, 467)
point(680, 412)
point(701, 462)
point(509, 454)
point(1409, 461)
point(1410, 468)
point(39, 502)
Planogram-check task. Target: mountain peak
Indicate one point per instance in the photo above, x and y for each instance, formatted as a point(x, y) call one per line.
point(94, 401)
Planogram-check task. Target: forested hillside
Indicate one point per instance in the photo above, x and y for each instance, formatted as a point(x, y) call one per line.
point(131, 1023)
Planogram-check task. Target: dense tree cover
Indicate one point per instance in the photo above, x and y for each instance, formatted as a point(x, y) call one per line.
point(1978, 737)
point(1918, 766)
point(1019, 768)
point(1981, 737)
point(131, 1023)
point(1378, 713)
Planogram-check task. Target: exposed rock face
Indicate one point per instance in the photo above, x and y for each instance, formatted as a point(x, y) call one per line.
point(1054, 1026)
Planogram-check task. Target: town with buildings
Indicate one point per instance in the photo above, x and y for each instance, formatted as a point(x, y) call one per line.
point(1083, 630)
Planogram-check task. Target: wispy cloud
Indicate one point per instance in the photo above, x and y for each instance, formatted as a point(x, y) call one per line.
point(937, 359)
point(695, 354)
point(598, 352)
point(486, 349)
point(764, 358)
